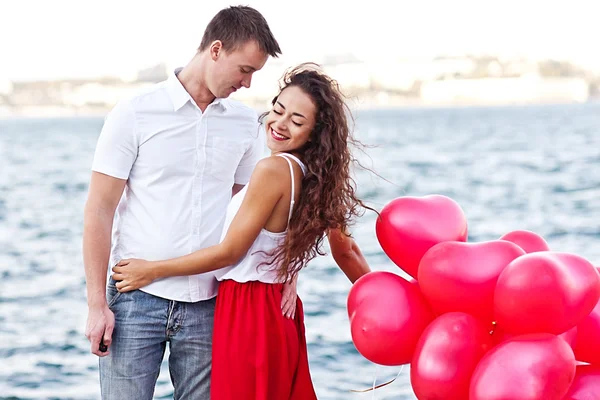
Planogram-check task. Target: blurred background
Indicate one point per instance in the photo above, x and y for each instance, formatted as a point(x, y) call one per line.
point(494, 104)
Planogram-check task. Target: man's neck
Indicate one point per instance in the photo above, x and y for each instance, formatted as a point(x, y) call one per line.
point(194, 85)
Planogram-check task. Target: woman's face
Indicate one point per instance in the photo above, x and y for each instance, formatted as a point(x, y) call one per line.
point(290, 121)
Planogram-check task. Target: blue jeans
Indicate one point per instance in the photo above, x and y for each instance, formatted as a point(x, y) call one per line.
point(144, 324)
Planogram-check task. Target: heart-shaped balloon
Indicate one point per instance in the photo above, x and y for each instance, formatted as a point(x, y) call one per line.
point(545, 292)
point(373, 285)
point(499, 336)
point(529, 241)
point(586, 385)
point(457, 276)
point(446, 356)
point(388, 318)
point(587, 343)
point(569, 336)
point(409, 226)
point(537, 366)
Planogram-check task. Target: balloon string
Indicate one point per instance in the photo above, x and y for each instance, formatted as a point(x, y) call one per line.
point(378, 386)
point(375, 380)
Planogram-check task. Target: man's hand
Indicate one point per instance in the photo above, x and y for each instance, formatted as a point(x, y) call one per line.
point(99, 328)
point(288, 298)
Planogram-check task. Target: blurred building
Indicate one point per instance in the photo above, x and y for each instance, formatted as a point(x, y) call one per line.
point(375, 83)
point(529, 88)
point(100, 95)
point(6, 87)
point(155, 74)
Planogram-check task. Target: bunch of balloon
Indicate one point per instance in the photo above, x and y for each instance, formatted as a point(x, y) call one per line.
point(501, 319)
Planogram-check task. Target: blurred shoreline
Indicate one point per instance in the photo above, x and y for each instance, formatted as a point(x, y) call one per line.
point(463, 81)
point(355, 105)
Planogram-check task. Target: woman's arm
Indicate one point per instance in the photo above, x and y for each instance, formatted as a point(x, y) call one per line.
point(266, 187)
point(347, 255)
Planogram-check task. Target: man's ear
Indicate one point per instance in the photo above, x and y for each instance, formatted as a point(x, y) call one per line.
point(215, 49)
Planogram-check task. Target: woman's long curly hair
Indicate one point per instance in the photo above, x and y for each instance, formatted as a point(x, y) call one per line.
point(328, 198)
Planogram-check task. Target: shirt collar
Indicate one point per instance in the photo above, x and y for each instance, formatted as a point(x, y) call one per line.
point(180, 96)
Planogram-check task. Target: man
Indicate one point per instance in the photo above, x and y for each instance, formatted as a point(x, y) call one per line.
point(166, 165)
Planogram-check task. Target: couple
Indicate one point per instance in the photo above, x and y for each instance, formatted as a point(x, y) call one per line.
point(178, 180)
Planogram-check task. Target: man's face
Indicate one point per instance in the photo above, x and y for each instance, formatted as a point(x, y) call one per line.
point(233, 69)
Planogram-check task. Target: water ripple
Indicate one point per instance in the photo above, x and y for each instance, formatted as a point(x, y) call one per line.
point(509, 168)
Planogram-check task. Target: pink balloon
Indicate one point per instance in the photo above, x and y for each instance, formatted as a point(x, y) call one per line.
point(457, 276)
point(446, 356)
point(409, 226)
point(529, 367)
point(499, 336)
point(370, 285)
point(529, 241)
point(586, 385)
point(587, 344)
point(545, 292)
point(569, 336)
point(385, 328)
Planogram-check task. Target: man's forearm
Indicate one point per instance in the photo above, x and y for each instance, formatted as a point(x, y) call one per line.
point(97, 229)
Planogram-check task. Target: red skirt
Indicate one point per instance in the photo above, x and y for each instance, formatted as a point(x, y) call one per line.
point(258, 354)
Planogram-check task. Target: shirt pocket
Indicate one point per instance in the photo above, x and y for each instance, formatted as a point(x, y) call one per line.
point(223, 157)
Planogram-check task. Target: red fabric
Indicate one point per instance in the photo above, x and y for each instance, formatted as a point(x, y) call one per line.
point(258, 354)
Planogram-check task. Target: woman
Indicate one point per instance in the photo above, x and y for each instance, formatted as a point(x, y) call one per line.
point(274, 227)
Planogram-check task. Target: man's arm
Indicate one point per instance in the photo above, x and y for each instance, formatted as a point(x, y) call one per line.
point(347, 255)
point(115, 154)
point(104, 194)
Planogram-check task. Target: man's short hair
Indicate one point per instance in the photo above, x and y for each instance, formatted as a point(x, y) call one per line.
point(235, 26)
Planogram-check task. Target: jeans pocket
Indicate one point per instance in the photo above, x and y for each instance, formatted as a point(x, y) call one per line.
point(112, 294)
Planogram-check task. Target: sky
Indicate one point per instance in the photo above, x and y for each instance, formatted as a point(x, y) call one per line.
point(44, 40)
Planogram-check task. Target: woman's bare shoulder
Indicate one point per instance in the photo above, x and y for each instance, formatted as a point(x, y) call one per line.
point(271, 170)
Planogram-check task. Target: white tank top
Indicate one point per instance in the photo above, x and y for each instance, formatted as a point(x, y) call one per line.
point(246, 269)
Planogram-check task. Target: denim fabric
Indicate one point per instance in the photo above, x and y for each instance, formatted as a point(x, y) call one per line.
point(144, 324)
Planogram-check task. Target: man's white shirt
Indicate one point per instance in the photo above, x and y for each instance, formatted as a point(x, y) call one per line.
point(180, 165)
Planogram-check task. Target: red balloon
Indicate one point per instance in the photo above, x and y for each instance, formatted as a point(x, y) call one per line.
point(446, 356)
point(499, 336)
point(457, 276)
point(409, 226)
point(529, 241)
point(530, 367)
point(586, 385)
point(370, 285)
point(545, 292)
point(569, 336)
point(414, 282)
point(587, 344)
point(385, 328)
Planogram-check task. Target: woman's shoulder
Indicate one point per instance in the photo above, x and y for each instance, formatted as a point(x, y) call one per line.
point(272, 169)
point(271, 164)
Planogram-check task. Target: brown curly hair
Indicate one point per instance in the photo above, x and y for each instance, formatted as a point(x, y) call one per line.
point(328, 198)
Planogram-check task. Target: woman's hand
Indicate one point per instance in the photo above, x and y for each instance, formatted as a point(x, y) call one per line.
point(132, 274)
point(288, 298)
